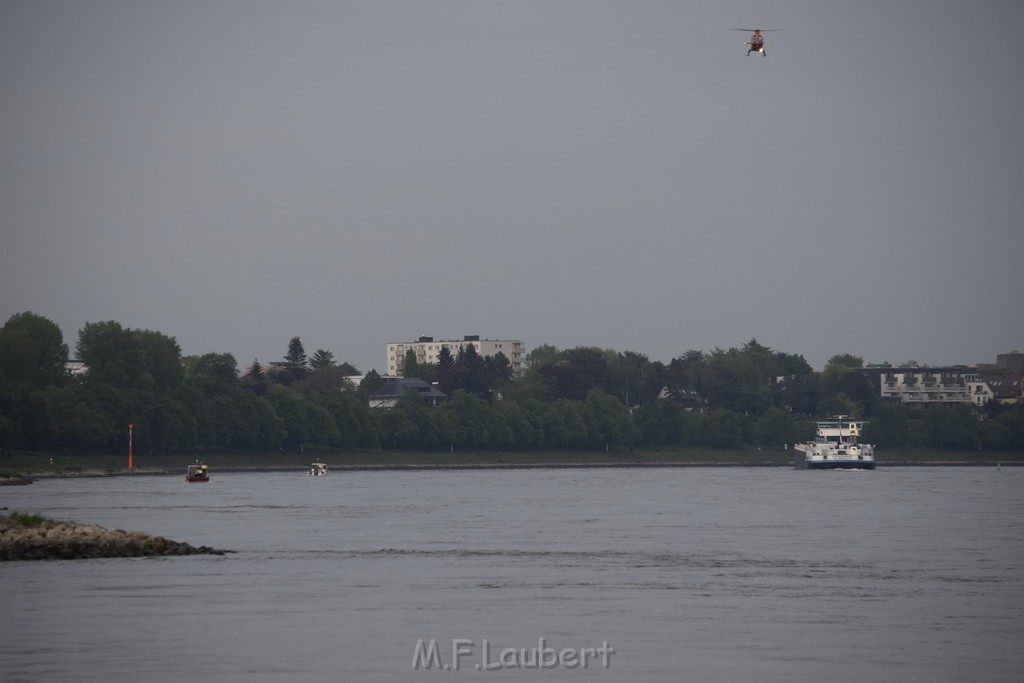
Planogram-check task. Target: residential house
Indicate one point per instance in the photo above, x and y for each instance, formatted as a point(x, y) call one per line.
point(1006, 389)
point(396, 387)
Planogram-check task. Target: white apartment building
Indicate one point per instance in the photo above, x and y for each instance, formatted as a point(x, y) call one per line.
point(981, 392)
point(920, 387)
point(427, 348)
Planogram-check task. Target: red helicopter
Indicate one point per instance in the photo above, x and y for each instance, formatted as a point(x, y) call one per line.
point(757, 40)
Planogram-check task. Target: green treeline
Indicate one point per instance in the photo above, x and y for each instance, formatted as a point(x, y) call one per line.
point(579, 398)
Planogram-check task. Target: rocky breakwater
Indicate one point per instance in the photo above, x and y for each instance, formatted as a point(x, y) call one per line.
point(30, 537)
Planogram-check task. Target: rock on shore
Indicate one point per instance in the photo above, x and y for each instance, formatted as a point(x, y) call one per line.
point(53, 540)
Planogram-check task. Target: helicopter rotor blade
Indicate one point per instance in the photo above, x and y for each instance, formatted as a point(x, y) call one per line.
point(761, 30)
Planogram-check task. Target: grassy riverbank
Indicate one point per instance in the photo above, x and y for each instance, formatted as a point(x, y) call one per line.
point(20, 464)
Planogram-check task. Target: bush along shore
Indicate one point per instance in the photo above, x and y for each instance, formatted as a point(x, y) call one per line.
point(32, 537)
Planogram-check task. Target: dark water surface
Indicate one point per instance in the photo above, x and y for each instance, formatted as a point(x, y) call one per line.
point(717, 574)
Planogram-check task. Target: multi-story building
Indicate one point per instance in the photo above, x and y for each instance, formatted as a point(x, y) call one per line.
point(923, 386)
point(427, 348)
point(1005, 362)
point(1012, 361)
point(981, 393)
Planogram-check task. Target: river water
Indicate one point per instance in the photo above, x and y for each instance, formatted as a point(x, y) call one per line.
point(690, 574)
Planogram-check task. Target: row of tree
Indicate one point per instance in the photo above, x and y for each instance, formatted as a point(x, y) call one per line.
point(567, 399)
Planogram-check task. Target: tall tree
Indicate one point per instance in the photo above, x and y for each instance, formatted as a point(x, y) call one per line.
point(630, 371)
point(498, 369)
point(410, 366)
point(107, 349)
point(846, 360)
point(325, 380)
point(396, 428)
point(687, 372)
point(295, 361)
point(321, 359)
point(889, 426)
point(950, 426)
point(296, 411)
point(371, 382)
point(542, 355)
point(800, 392)
point(163, 358)
point(75, 422)
point(213, 373)
point(741, 379)
point(609, 421)
point(660, 423)
point(256, 379)
point(445, 370)
point(580, 369)
point(472, 373)
point(32, 350)
point(130, 359)
point(792, 364)
point(776, 427)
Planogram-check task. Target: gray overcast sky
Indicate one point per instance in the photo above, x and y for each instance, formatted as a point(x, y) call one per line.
point(569, 172)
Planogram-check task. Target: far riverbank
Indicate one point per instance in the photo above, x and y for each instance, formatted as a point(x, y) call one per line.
point(17, 465)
